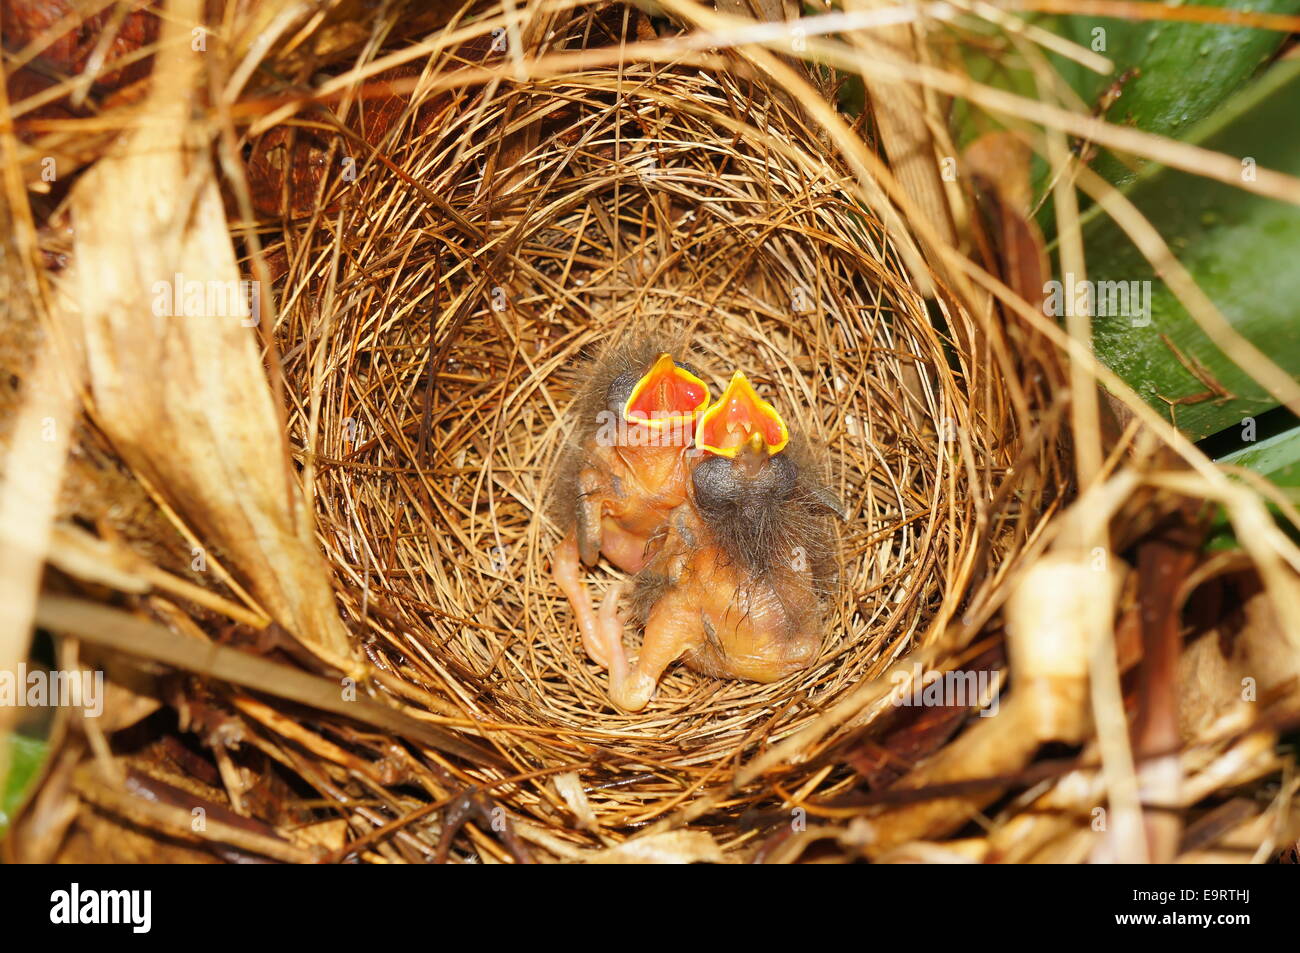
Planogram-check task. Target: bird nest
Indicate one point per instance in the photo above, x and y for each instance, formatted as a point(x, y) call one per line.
point(443, 353)
point(448, 240)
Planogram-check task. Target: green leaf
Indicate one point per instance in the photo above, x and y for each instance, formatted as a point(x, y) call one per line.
point(1239, 247)
point(1276, 458)
point(1185, 70)
point(26, 755)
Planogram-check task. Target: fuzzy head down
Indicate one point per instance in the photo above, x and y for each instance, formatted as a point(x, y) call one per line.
point(609, 378)
point(767, 522)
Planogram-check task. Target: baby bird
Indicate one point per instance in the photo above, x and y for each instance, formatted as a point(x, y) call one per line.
point(736, 589)
point(626, 469)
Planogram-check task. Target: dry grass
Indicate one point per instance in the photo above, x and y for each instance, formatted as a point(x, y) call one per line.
point(495, 216)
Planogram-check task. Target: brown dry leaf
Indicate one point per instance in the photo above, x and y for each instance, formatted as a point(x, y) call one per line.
point(148, 802)
point(99, 837)
point(131, 694)
point(1252, 841)
point(1001, 159)
point(185, 400)
point(927, 852)
point(1164, 562)
point(900, 110)
point(881, 762)
point(1059, 608)
point(569, 787)
point(30, 475)
point(289, 163)
point(331, 834)
point(670, 847)
point(1225, 674)
point(917, 732)
point(988, 748)
point(1056, 613)
point(81, 45)
point(86, 557)
point(998, 164)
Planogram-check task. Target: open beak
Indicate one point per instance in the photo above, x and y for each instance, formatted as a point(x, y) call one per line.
point(740, 418)
point(666, 396)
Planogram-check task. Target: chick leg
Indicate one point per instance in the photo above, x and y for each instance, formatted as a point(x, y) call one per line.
point(672, 629)
point(565, 566)
point(610, 625)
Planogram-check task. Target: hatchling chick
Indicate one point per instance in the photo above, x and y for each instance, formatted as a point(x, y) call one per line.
point(738, 587)
point(626, 468)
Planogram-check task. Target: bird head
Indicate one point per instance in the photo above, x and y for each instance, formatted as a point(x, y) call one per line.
point(744, 473)
point(741, 425)
point(667, 398)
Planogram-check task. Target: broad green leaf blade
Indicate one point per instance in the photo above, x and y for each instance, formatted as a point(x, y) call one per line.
point(1178, 74)
point(26, 755)
point(1240, 248)
point(1184, 70)
point(1277, 459)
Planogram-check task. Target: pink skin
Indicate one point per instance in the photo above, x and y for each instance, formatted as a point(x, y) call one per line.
point(652, 482)
point(714, 617)
point(625, 496)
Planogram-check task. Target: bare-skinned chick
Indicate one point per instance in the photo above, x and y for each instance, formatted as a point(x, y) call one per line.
point(626, 469)
point(738, 587)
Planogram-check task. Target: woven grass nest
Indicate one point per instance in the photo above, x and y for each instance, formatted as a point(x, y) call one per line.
point(625, 199)
point(358, 492)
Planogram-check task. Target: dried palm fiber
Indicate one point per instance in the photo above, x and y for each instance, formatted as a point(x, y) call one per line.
point(432, 310)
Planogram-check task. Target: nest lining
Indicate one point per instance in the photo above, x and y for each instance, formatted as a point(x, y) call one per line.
point(636, 197)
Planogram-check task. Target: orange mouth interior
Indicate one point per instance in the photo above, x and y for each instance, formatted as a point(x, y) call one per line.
point(666, 395)
point(739, 417)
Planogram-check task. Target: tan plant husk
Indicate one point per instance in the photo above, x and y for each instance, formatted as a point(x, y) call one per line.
point(502, 214)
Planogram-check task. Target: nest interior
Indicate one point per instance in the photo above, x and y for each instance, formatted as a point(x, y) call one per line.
point(445, 346)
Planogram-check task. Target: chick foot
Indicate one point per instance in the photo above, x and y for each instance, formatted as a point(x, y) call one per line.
point(629, 688)
point(567, 569)
point(609, 625)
